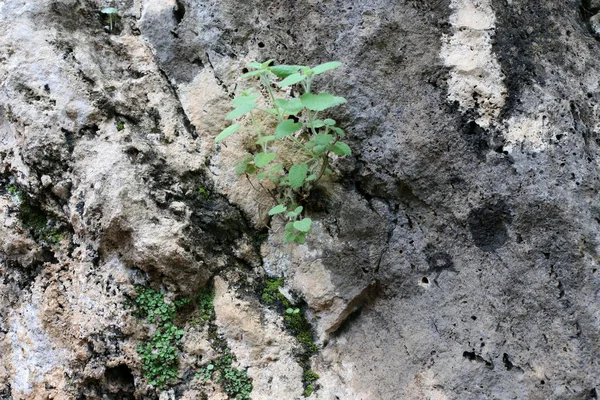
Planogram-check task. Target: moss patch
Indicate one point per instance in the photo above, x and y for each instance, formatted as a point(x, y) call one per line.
point(296, 322)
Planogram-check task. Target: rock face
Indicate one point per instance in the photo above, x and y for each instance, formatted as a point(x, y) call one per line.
point(454, 255)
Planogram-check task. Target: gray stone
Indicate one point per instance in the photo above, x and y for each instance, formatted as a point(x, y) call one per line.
point(454, 255)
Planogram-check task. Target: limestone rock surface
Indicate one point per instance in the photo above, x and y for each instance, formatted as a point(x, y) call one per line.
point(455, 254)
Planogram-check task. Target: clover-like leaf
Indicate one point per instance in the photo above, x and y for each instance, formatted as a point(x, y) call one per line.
point(261, 160)
point(297, 175)
point(300, 238)
point(303, 225)
point(278, 209)
point(241, 110)
point(286, 128)
point(321, 101)
point(292, 79)
point(295, 213)
point(230, 130)
point(319, 69)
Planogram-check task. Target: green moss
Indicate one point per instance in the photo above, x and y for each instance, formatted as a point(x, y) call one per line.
point(310, 376)
point(270, 292)
point(297, 323)
point(308, 390)
point(34, 219)
point(234, 382)
point(203, 193)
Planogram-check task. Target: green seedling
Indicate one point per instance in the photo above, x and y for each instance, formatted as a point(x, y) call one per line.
point(296, 154)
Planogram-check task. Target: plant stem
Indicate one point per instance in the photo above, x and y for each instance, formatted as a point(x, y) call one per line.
point(267, 83)
point(257, 129)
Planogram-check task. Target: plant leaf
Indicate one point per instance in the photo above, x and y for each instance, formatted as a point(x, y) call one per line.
point(289, 237)
point(238, 101)
point(329, 122)
point(266, 63)
point(254, 65)
point(286, 128)
point(241, 110)
point(230, 130)
point(339, 131)
point(303, 225)
point(317, 123)
point(109, 10)
point(300, 238)
point(265, 139)
point(321, 101)
point(253, 73)
point(292, 106)
point(319, 69)
point(277, 209)
point(283, 71)
point(341, 149)
point(297, 175)
point(262, 159)
point(292, 79)
point(323, 139)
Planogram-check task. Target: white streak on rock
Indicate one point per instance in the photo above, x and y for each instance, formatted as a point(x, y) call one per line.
point(476, 80)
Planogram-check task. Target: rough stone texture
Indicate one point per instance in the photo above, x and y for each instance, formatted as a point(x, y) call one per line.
point(455, 254)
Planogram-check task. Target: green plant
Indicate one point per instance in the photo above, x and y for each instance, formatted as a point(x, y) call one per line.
point(234, 382)
point(270, 292)
point(35, 219)
point(204, 300)
point(160, 355)
point(112, 13)
point(291, 157)
point(310, 376)
point(152, 306)
point(203, 193)
point(308, 391)
point(120, 125)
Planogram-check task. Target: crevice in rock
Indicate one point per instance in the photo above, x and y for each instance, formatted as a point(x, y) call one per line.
point(354, 308)
point(191, 130)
